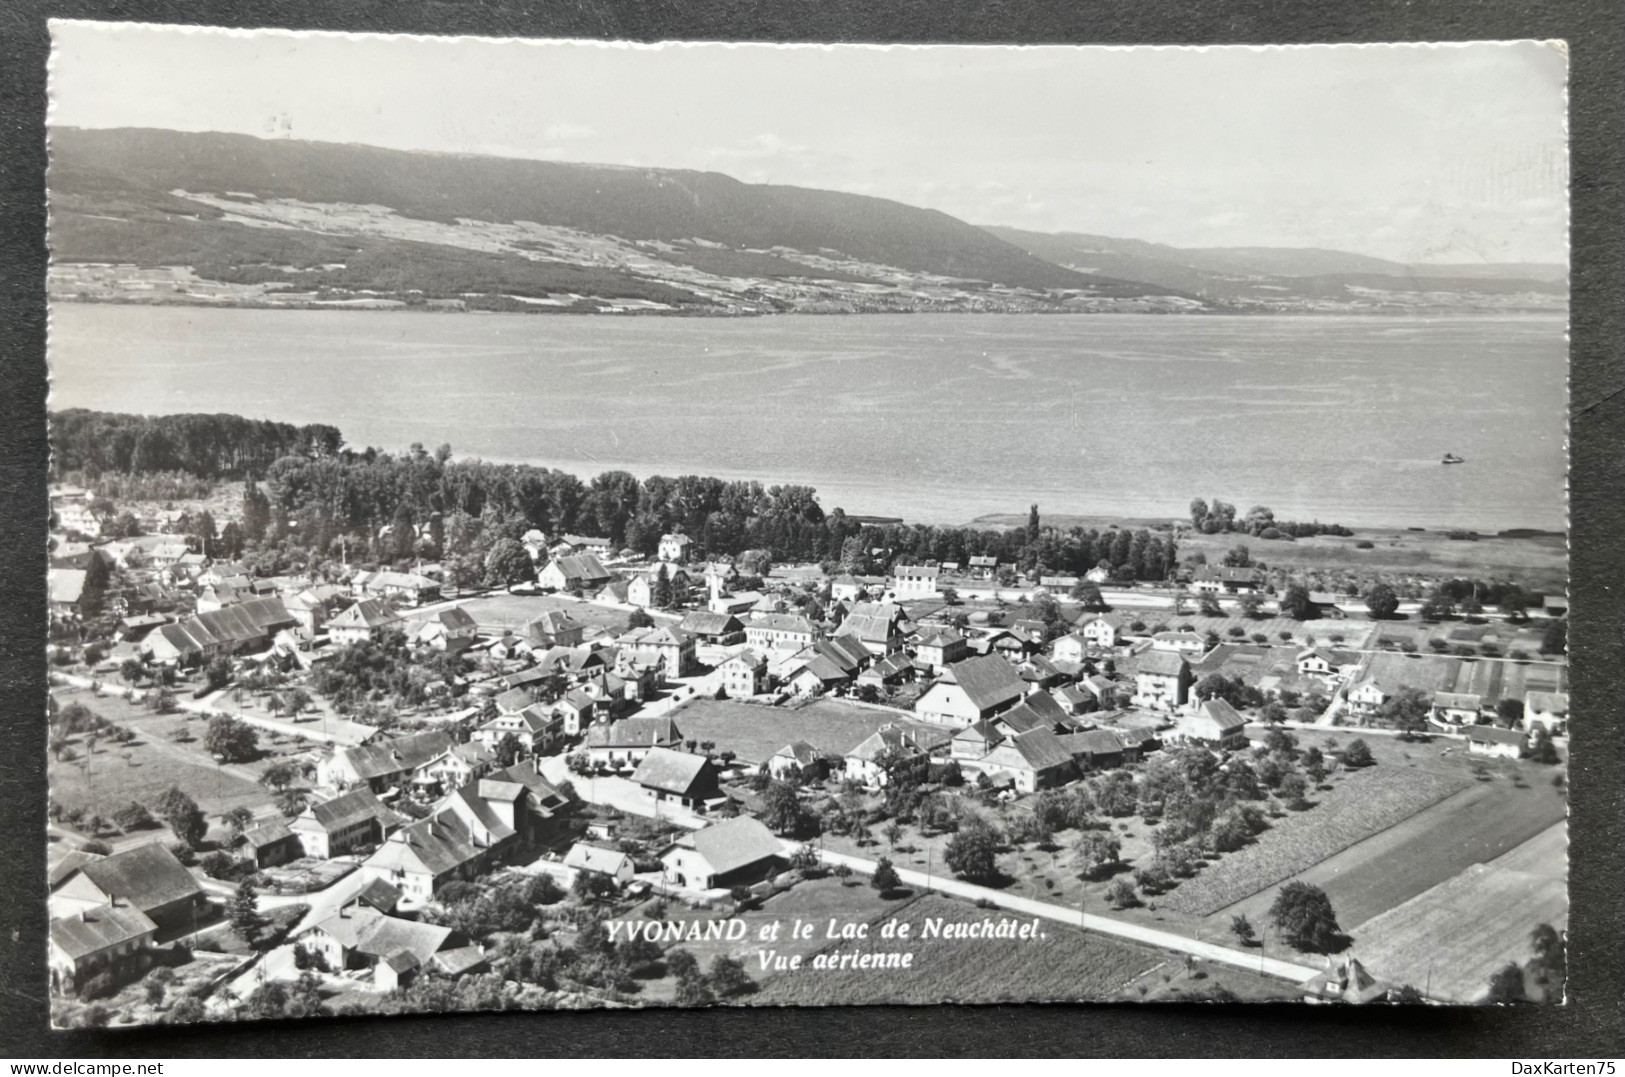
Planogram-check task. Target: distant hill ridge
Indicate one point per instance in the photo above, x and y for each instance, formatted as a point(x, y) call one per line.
point(635, 203)
point(147, 215)
point(1268, 272)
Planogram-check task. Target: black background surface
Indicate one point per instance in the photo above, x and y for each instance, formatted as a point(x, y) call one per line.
point(1590, 1026)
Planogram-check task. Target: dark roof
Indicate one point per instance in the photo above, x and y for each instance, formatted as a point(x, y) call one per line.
point(803, 753)
point(875, 622)
point(735, 843)
point(783, 622)
point(268, 834)
point(846, 651)
point(383, 757)
point(1467, 701)
point(673, 772)
point(1161, 663)
point(241, 623)
point(71, 862)
point(706, 623)
point(1042, 749)
point(147, 876)
point(369, 613)
point(1036, 711)
point(544, 795)
point(937, 636)
point(460, 959)
point(1222, 713)
point(635, 731)
point(380, 894)
point(95, 929)
point(581, 566)
point(1228, 574)
point(348, 809)
point(457, 619)
point(886, 737)
point(1093, 742)
point(1490, 734)
point(441, 842)
point(989, 681)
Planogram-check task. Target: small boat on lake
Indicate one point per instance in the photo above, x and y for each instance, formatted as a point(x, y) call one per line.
point(1452, 458)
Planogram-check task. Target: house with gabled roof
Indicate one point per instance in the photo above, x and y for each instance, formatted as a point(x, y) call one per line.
point(270, 844)
point(937, 646)
point(797, 755)
point(674, 547)
point(879, 626)
point(780, 631)
point(349, 821)
point(1549, 709)
point(114, 940)
point(665, 774)
point(728, 852)
point(424, 856)
point(813, 674)
point(1040, 710)
point(1032, 760)
point(971, 690)
point(536, 728)
point(714, 629)
point(359, 936)
point(571, 572)
point(624, 743)
point(1451, 710)
point(362, 621)
point(382, 763)
point(1492, 740)
point(666, 645)
point(596, 860)
point(1225, 579)
point(892, 669)
point(1097, 749)
point(246, 626)
point(451, 629)
point(975, 741)
point(915, 581)
point(1345, 981)
point(1332, 664)
point(1213, 723)
point(1187, 643)
point(147, 877)
point(867, 761)
point(457, 765)
point(983, 566)
point(1162, 680)
point(743, 674)
point(1072, 647)
point(404, 586)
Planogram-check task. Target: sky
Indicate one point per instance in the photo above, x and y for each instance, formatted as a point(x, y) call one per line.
point(1452, 153)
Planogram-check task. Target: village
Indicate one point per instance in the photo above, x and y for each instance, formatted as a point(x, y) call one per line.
point(275, 796)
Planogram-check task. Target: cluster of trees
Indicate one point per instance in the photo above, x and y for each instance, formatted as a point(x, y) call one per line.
point(1219, 517)
point(205, 446)
point(366, 673)
point(311, 500)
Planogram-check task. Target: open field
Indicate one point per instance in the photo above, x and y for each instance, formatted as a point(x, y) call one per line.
point(1450, 939)
point(1475, 825)
point(755, 732)
point(500, 613)
point(1539, 561)
point(1063, 964)
point(1363, 803)
point(147, 766)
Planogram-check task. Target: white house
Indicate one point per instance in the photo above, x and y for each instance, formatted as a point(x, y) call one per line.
point(1214, 724)
point(780, 631)
point(743, 675)
point(1452, 709)
point(611, 863)
point(970, 691)
point(915, 581)
point(737, 850)
point(1179, 642)
point(1494, 741)
point(1161, 680)
point(1099, 632)
point(674, 547)
point(1549, 709)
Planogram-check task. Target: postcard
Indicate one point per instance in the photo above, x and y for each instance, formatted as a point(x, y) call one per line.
point(568, 524)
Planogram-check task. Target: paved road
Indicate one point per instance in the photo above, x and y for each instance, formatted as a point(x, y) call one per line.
point(1166, 940)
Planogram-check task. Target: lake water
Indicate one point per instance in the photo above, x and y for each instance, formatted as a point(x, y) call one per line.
point(936, 418)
